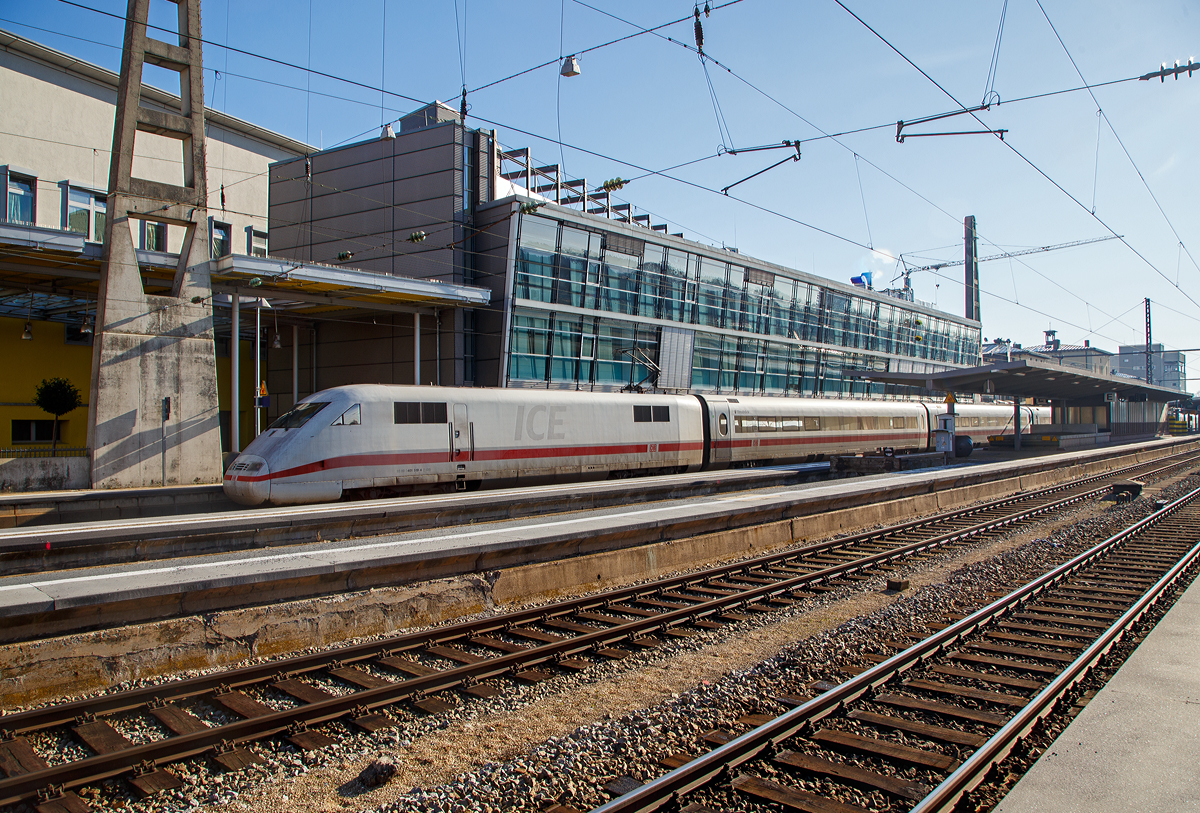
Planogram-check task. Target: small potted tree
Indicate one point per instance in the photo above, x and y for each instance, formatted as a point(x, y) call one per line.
point(58, 396)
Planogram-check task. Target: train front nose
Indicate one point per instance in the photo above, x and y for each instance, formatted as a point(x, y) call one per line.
point(247, 481)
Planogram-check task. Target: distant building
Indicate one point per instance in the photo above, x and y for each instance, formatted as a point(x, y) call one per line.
point(1169, 367)
point(1082, 356)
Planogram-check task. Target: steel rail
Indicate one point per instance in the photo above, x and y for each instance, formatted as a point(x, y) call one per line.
point(248, 675)
point(172, 749)
point(704, 769)
point(976, 767)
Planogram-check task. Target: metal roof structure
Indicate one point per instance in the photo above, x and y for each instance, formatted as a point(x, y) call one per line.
point(1032, 378)
point(54, 275)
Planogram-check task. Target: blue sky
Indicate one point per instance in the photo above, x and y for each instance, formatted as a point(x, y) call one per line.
point(785, 70)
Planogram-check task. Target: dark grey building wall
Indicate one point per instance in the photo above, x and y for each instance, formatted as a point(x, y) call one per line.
point(368, 198)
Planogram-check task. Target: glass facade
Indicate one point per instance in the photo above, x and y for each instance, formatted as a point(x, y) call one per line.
point(590, 308)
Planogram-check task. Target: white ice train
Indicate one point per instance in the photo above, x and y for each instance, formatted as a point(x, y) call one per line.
point(375, 440)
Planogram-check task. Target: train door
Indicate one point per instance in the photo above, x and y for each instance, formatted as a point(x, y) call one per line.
point(462, 449)
point(722, 435)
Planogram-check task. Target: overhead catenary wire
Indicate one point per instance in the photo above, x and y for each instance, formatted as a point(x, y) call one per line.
point(862, 194)
point(1108, 121)
point(699, 186)
point(989, 87)
point(846, 147)
point(1019, 154)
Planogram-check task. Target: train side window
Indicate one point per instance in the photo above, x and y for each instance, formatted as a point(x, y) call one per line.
point(351, 417)
point(769, 424)
point(417, 412)
point(662, 414)
point(790, 423)
point(433, 413)
point(810, 423)
point(642, 414)
point(723, 424)
point(407, 412)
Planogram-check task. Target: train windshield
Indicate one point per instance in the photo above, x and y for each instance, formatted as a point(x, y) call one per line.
point(300, 415)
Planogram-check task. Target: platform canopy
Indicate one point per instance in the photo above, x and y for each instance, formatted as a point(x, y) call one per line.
point(55, 274)
point(1032, 378)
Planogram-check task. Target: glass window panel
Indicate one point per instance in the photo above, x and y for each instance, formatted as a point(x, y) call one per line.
point(529, 347)
point(535, 259)
point(299, 415)
point(574, 242)
point(78, 219)
point(569, 287)
point(221, 241)
point(539, 233)
point(612, 365)
point(706, 361)
point(618, 291)
point(20, 201)
point(729, 357)
point(565, 351)
point(156, 237)
point(649, 279)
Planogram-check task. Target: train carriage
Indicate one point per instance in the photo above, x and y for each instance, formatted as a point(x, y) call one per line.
point(375, 440)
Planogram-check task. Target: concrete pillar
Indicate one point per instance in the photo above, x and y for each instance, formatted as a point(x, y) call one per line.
point(1016, 423)
point(235, 357)
point(417, 349)
point(295, 364)
point(257, 366)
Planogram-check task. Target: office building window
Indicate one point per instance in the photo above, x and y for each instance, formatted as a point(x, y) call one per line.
point(35, 431)
point(21, 200)
point(86, 212)
point(154, 236)
point(221, 242)
point(258, 243)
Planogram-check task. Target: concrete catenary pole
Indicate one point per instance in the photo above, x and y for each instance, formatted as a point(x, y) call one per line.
point(147, 348)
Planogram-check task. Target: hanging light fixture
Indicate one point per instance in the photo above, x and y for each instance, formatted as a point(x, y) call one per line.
point(276, 344)
point(570, 66)
point(85, 324)
point(28, 334)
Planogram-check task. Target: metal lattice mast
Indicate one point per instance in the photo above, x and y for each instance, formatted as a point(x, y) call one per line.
point(1149, 353)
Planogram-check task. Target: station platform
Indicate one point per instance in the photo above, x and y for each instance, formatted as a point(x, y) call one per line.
point(306, 551)
point(1136, 746)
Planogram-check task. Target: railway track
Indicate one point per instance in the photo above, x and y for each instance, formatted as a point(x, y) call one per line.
point(367, 686)
point(924, 728)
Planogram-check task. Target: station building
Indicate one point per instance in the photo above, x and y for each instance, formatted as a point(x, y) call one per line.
point(586, 293)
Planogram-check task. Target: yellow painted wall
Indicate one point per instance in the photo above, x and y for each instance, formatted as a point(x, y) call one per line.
point(27, 363)
point(246, 389)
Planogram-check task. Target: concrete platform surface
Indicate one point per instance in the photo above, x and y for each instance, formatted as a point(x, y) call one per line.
point(1135, 748)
